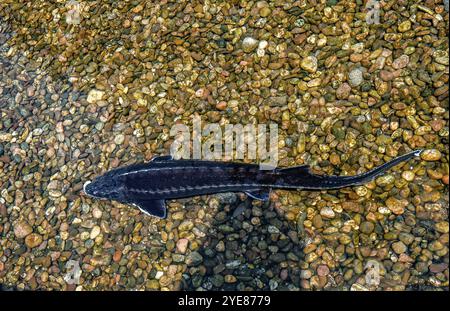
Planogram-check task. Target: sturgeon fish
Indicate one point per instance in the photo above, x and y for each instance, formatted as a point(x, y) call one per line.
point(148, 185)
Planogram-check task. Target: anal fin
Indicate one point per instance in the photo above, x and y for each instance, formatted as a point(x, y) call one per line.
point(259, 194)
point(155, 208)
point(162, 158)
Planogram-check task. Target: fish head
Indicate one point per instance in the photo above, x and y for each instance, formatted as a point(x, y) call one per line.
point(107, 186)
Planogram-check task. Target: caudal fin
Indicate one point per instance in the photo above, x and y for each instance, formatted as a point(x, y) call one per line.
point(313, 181)
point(372, 174)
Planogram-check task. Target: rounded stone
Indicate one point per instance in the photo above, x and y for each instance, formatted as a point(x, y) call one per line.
point(356, 77)
point(305, 274)
point(182, 245)
point(395, 205)
point(249, 44)
point(400, 62)
point(94, 96)
point(343, 92)
point(33, 240)
point(264, 11)
point(186, 225)
point(399, 247)
point(317, 221)
point(119, 139)
point(194, 259)
point(404, 26)
point(97, 213)
point(367, 227)
point(22, 229)
point(442, 227)
point(431, 155)
point(323, 270)
point(95, 232)
point(406, 238)
point(408, 175)
point(229, 278)
point(327, 212)
point(309, 64)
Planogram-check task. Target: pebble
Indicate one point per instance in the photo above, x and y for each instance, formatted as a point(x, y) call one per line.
point(229, 278)
point(367, 227)
point(119, 139)
point(306, 274)
point(399, 247)
point(431, 155)
point(309, 64)
point(194, 259)
point(95, 232)
point(343, 92)
point(404, 26)
point(318, 222)
point(441, 57)
point(22, 229)
point(264, 11)
point(97, 213)
point(182, 245)
point(400, 62)
point(385, 180)
point(186, 225)
point(323, 270)
point(356, 77)
point(249, 44)
point(406, 238)
point(442, 227)
point(395, 205)
point(327, 212)
point(32, 240)
point(408, 175)
point(94, 96)
point(437, 268)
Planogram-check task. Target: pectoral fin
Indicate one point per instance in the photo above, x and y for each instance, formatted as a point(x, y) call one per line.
point(259, 194)
point(152, 207)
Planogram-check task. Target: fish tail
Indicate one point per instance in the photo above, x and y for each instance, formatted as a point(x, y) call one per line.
point(344, 181)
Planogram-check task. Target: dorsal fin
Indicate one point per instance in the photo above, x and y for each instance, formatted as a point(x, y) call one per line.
point(296, 169)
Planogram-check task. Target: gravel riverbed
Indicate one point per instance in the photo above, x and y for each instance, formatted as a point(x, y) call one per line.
point(87, 86)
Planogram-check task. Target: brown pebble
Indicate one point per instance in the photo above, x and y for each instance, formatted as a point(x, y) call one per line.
point(3, 210)
point(343, 92)
point(300, 38)
point(431, 155)
point(436, 268)
point(117, 256)
point(222, 105)
point(22, 229)
point(33, 240)
point(182, 245)
point(323, 270)
point(356, 58)
point(386, 75)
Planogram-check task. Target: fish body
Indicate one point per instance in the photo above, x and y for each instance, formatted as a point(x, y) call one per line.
point(148, 185)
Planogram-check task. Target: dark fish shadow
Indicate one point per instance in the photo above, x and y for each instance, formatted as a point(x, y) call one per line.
point(250, 245)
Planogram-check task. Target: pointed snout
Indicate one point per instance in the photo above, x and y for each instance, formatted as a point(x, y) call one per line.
point(93, 188)
point(87, 188)
point(102, 187)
